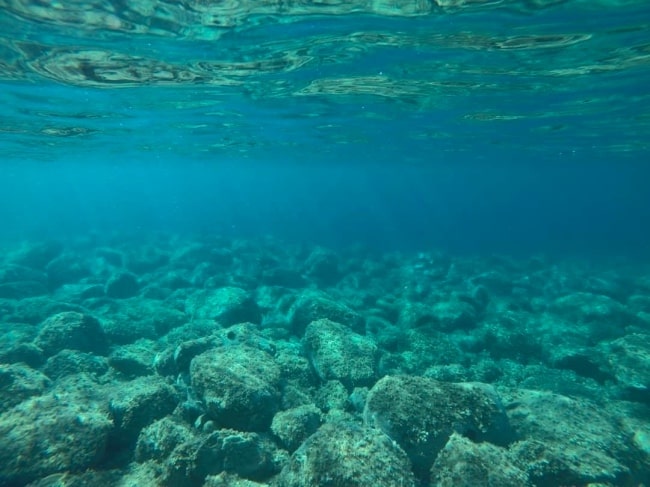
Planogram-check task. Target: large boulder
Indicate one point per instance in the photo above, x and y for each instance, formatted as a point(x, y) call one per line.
point(50, 434)
point(71, 330)
point(345, 454)
point(421, 414)
point(239, 386)
point(336, 353)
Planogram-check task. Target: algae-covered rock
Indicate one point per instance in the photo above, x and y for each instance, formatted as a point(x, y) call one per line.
point(567, 441)
point(311, 306)
point(345, 454)
point(160, 438)
point(71, 330)
point(239, 386)
point(54, 433)
point(225, 479)
point(295, 425)
point(226, 305)
point(133, 360)
point(421, 414)
point(69, 362)
point(628, 361)
point(17, 383)
point(463, 463)
point(336, 353)
point(137, 403)
point(245, 454)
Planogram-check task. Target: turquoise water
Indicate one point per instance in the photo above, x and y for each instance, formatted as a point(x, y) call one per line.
point(267, 241)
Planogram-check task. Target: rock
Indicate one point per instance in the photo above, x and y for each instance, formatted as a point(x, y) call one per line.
point(336, 353)
point(462, 463)
point(121, 286)
point(295, 425)
point(69, 362)
point(51, 434)
point(283, 277)
point(71, 330)
point(19, 382)
point(601, 316)
point(628, 361)
point(37, 309)
point(160, 438)
point(421, 414)
point(133, 360)
point(66, 268)
point(567, 441)
point(311, 306)
point(225, 479)
point(226, 305)
point(18, 282)
point(349, 455)
point(37, 255)
point(239, 386)
point(138, 403)
point(247, 455)
point(323, 266)
point(444, 316)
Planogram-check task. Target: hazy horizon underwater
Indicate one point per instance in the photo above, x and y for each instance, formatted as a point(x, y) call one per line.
point(324, 243)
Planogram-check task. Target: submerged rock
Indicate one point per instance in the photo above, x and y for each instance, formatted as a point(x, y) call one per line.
point(138, 403)
point(239, 385)
point(295, 425)
point(567, 441)
point(421, 414)
point(54, 433)
point(19, 382)
point(336, 353)
point(71, 330)
point(121, 286)
point(463, 463)
point(226, 305)
point(311, 306)
point(349, 455)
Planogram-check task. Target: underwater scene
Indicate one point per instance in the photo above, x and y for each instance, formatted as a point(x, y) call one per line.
point(337, 243)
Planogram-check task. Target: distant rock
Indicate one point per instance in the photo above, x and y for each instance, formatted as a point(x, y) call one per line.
point(602, 316)
point(65, 269)
point(37, 309)
point(345, 454)
point(71, 330)
point(239, 386)
point(226, 305)
point(311, 306)
point(322, 265)
point(38, 254)
point(18, 282)
point(421, 414)
point(336, 353)
point(121, 286)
